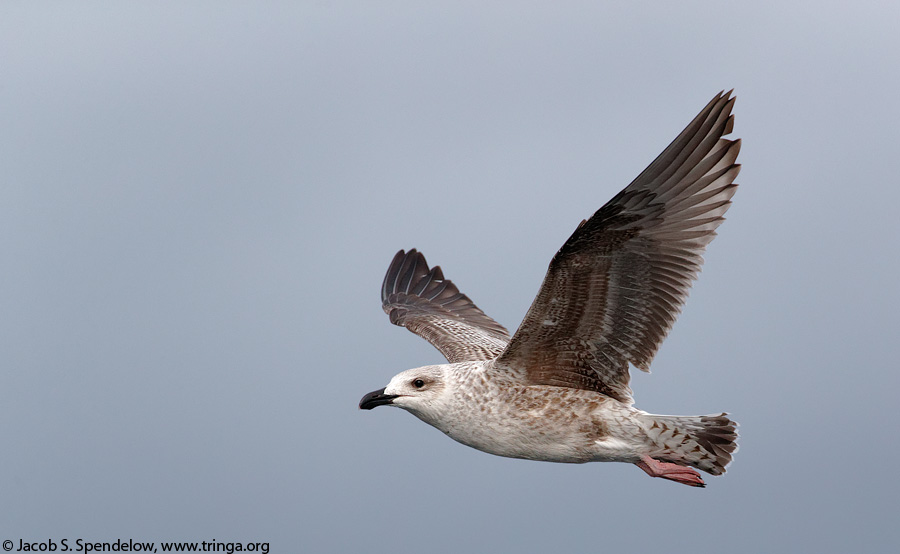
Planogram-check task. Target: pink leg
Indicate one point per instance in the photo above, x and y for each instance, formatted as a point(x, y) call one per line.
point(673, 472)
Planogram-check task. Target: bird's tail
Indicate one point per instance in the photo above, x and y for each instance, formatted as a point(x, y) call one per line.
point(704, 442)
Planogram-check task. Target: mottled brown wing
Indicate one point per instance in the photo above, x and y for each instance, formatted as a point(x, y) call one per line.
point(616, 286)
point(430, 306)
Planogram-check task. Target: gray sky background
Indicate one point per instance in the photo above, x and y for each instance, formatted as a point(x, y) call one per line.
point(198, 203)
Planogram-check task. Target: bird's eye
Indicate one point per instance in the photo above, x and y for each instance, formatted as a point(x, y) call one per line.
point(418, 383)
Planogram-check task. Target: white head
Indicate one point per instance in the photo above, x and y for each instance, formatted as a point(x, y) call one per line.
point(421, 391)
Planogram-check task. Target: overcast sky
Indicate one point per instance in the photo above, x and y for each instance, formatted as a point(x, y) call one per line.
point(199, 200)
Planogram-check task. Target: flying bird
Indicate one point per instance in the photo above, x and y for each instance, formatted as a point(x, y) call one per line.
point(558, 389)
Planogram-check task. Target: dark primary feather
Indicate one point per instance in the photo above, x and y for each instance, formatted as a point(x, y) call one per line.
point(614, 289)
point(430, 306)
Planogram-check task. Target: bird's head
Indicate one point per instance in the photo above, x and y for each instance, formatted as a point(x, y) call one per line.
point(420, 391)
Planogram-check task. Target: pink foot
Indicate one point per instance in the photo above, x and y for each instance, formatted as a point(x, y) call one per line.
point(673, 472)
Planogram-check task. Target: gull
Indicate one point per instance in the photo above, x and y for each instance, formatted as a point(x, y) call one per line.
point(558, 389)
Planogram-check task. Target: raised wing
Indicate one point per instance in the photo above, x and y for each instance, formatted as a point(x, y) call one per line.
point(430, 306)
point(616, 286)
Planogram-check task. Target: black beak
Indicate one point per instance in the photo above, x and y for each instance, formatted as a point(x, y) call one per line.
point(376, 398)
